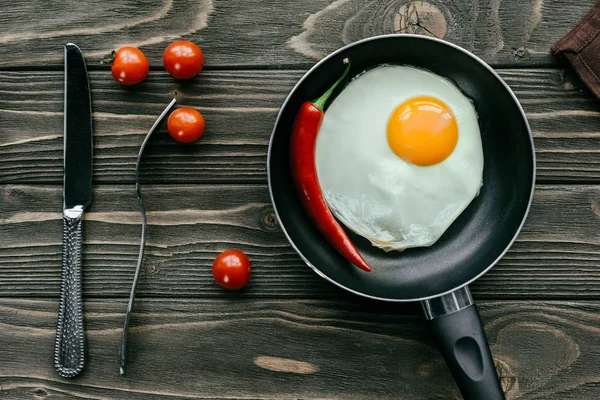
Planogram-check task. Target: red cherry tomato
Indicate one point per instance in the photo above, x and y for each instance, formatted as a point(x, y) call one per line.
point(185, 125)
point(231, 269)
point(183, 59)
point(130, 66)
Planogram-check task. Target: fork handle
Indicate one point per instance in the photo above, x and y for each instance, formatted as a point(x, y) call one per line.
point(69, 352)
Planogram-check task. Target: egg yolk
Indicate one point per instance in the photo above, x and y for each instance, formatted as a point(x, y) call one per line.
point(422, 131)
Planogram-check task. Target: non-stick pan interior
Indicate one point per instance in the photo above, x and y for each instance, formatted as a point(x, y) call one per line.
point(482, 233)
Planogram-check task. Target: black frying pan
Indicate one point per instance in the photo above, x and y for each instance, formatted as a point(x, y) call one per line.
point(438, 275)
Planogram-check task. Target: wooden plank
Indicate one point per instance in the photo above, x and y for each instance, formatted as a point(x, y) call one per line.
point(556, 256)
point(263, 349)
point(242, 32)
point(240, 109)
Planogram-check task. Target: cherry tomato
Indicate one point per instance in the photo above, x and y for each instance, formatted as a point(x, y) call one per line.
point(231, 269)
point(183, 59)
point(130, 66)
point(185, 125)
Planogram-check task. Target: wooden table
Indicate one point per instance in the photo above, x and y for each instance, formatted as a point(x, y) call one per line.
point(290, 334)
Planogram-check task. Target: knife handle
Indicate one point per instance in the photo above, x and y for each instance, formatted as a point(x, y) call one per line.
point(69, 352)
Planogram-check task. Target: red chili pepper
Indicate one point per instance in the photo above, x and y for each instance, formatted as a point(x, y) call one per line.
point(304, 172)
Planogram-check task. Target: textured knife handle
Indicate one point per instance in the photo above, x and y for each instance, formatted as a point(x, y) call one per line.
point(70, 341)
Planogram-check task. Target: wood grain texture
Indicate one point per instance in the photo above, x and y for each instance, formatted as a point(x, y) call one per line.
point(289, 334)
point(556, 256)
point(257, 349)
point(240, 108)
point(253, 32)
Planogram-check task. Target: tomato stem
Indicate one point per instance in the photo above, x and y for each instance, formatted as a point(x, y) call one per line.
point(108, 58)
point(320, 102)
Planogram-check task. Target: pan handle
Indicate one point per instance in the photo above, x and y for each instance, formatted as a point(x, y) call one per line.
point(456, 325)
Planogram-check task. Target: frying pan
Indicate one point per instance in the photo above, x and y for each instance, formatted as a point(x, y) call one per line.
point(438, 275)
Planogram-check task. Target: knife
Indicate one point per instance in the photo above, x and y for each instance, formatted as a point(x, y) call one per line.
point(69, 352)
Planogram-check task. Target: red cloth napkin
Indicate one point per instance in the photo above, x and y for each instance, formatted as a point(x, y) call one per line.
point(581, 47)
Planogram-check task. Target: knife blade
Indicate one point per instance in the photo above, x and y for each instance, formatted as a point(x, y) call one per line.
point(69, 354)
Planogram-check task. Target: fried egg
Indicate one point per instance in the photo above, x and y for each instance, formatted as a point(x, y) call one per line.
point(399, 156)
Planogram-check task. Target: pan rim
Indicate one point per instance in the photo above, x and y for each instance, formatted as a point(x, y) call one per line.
point(475, 58)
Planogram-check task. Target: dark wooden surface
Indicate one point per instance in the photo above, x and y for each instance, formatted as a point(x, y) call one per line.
point(289, 349)
point(243, 33)
point(289, 334)
point(240, 107)
point(555, 257)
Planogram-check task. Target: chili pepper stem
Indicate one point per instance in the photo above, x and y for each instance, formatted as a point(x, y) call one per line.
point(320, 102)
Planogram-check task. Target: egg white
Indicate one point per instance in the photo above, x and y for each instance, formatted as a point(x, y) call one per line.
point(391, 202)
